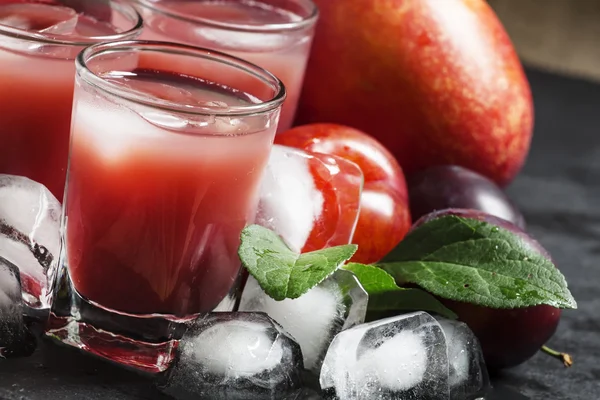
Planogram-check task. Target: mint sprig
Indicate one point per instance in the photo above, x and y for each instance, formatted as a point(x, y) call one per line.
point(477, 262)
point(385, 295)
point(283, 273)
point(451, 257)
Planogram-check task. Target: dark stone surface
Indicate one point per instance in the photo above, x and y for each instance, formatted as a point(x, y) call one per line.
point(559, 194)
point(57, 373)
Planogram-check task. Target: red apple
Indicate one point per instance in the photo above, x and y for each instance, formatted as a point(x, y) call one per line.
point(437, 82)
point(384, 213)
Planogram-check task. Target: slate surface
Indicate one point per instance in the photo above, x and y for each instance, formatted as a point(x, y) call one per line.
point(559, 193)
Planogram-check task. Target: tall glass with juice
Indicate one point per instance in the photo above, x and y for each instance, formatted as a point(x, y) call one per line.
point(274, 34)
point(167, 153)
point(38, 44)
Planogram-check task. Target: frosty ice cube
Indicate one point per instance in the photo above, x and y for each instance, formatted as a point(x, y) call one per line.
point(402, 357)
point(310, 200)
point(15, 339)
point(71, 18)
point(314, 318)
point(38, 17)
point(468, 377)
point(67, 27)
point(29, 234)
point(68, 20)
point(234, 356)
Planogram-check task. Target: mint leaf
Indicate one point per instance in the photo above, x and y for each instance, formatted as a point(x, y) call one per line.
point(282, 273)
point(385, 295)
point(373, 279)
point(476, 262)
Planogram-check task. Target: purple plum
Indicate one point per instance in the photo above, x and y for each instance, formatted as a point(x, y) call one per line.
point(508, 337)
point(450, 186)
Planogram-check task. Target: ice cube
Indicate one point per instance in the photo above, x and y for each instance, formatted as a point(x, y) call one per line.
point(15, 339)
point(14, 21)
point(310, 200)
point(38, 17)
point(75, 18)
point(234, 356)
point(468, 376)
point(67, 27)
point(402, 357)
point(250, 42)
point(314, 318)
point(290, 201)
point(30, 234)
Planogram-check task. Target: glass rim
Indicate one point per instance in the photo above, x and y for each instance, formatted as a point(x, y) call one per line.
point(244, 66)
point(37, 37)
point(305, 22)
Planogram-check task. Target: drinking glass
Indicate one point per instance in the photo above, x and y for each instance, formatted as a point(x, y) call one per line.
point(275, 34)
point(38, 45)
point(168, 146)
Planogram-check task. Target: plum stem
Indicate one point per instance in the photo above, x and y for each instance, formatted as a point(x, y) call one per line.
point(564, 357)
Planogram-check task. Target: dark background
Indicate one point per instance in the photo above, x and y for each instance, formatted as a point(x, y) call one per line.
point(559, 194)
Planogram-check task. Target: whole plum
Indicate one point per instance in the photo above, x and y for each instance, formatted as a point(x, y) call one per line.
point(508, 337)
point(451, 186)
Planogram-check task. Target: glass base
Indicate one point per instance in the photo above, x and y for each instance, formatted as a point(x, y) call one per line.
point(145, 343)
point(141, 356)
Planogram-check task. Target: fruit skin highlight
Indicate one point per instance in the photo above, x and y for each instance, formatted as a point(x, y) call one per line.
point(450, 186)
point(384, 212)
point(508, 337)
point(436, 82)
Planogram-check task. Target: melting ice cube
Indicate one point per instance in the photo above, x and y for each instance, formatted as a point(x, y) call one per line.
point(64, 28)
point(234, 356)
point(310, 200)
point(43, 18)
point(15, 339)
point(314, 318)
point(468, 376)
point(402, 357)
point(29, 234)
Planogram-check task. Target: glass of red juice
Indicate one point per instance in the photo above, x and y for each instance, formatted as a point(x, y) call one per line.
point(275, 34)
point(39, 41)
point(168, 146)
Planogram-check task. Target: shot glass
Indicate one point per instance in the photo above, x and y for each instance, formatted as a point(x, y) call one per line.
point(164, 173)
point(38, 45)
point(275, 34)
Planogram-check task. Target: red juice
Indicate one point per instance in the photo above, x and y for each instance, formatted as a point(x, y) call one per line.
point(36, 85)
point(155, 203)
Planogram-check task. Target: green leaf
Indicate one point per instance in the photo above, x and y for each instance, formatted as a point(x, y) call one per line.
point(282, 273)
point(385, 295)
point(373, 279)
point(476, 262)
